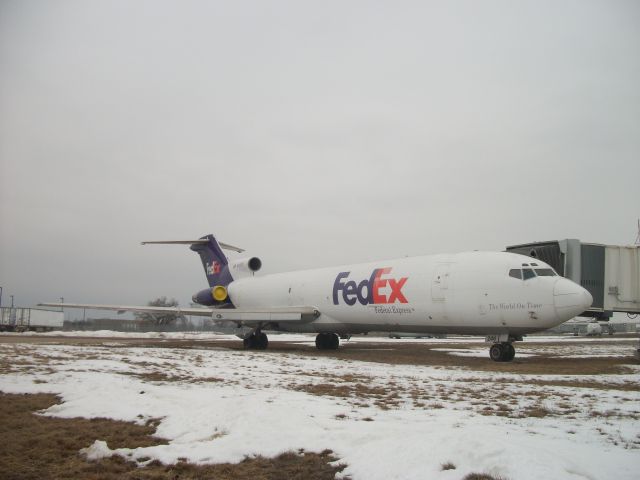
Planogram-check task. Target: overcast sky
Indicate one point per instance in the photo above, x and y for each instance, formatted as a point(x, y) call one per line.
point(309, 133)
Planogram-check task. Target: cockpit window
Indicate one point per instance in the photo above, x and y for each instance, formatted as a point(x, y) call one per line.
point(534, 264)
point(515, 273)
point(545, 272)
point(528, 273)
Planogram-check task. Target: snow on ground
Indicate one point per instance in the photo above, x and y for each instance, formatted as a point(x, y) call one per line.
point(383, 421)
point(293, 337)
point(608, 350)
point(475, 352)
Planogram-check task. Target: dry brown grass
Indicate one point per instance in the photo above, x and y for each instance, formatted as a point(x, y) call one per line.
point(159, 376)
point(536, 412)
point(525, 400)
point(357, 393)
point(482, 476)
point(39, 447)
point(393, 353)
point(628, 386)
point(174, 376)
point(361, 390)
point(622, 386)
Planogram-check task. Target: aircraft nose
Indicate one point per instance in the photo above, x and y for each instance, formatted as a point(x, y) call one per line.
point(570, 299)
point(587, 298)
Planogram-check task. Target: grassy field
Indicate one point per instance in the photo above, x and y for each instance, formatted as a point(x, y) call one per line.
point(38, 447)
point(393, 353)
point(542, 386)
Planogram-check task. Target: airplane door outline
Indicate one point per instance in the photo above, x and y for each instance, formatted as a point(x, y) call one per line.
point(440, 283)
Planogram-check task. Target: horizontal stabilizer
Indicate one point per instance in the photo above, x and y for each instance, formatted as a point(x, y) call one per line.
point(176, 242)
point(201, 241)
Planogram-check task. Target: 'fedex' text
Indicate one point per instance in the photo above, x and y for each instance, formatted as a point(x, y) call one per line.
point(368, 291)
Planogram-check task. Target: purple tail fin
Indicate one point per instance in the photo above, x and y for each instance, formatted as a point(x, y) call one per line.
point(216, 266)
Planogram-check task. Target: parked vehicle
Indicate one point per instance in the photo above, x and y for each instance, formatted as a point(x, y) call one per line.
point(23, 319)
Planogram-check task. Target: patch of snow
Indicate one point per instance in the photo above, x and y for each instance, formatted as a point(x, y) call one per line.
point(476, 353)
point(96, 451)
point(223, 405)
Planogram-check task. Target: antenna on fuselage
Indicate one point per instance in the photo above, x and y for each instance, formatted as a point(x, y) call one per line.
point(638, 237)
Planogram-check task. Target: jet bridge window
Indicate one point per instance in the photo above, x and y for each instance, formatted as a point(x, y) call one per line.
point(545, 272)
point(527, 273)
point(515, 273)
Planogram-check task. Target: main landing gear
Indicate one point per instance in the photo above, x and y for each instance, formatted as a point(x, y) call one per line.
point(259, 341)
point(327, 341)
point(502, 352)
point(256, 341)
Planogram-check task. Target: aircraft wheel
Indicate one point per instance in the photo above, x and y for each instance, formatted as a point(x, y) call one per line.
point(257, 341)
point(496, 352)
point(261, 341)
point(327, 341)
point(509, 352)
point(321, 341)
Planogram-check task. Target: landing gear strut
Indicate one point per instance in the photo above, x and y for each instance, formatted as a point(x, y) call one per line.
point(256, 341)
point(502, 352)
point(327, 341)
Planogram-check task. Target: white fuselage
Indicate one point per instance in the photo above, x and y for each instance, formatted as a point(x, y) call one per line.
point(465, 293)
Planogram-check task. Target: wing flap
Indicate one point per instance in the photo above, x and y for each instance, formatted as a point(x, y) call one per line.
point(242, 316)
point(203, 312)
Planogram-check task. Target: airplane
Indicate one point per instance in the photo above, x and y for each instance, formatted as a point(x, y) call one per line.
point(497, 294)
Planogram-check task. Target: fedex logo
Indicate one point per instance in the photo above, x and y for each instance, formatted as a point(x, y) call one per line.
point(368, 291)
point(213, 268)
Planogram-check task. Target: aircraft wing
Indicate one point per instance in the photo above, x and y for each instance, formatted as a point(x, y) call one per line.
point(272, 314)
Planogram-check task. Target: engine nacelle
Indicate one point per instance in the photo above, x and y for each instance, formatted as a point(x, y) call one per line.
point(211, 296)
point(244, 266)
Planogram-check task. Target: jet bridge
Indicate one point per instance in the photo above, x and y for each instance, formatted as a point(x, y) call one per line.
point(611, 273)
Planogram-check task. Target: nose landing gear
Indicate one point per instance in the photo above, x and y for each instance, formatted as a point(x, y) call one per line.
point(502, 352)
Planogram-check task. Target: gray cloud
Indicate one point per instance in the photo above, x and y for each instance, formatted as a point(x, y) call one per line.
point(311, 134)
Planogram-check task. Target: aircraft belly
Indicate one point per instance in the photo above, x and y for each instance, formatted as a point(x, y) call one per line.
point(331, 325)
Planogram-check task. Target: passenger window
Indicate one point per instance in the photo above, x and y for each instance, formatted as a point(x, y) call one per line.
point(545, 272)
point(515, 273)
point(528, 273)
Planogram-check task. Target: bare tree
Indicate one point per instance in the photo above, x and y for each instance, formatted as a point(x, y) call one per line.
point(164, 318)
